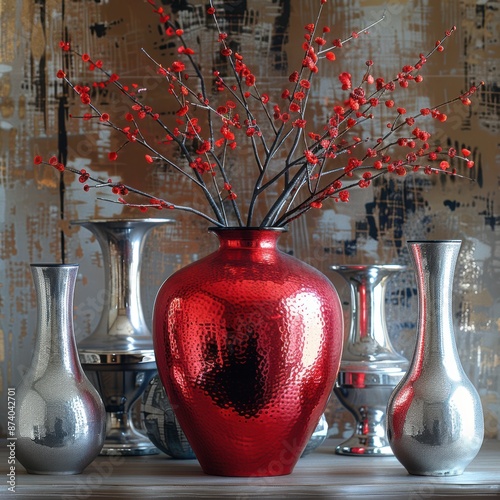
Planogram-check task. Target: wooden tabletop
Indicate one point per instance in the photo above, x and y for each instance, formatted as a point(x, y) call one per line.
point(321, 474)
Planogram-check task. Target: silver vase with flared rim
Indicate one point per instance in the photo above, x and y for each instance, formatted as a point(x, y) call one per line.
point(435, 422)
point(60, 418)
point(370, 367)
point(118, 357)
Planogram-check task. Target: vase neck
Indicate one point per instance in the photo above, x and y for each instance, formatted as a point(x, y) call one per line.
point(55, 345)
point(247, 238)
point(434, 263)
point(368, 345)
point(121, 244)
point(122, 326)
point(368, 285)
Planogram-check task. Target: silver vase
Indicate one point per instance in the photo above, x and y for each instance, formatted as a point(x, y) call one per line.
point(60, 417)
point(370, 368)
point(318, 436)
point(161, 424)
point(118, 356)
point(434, 417)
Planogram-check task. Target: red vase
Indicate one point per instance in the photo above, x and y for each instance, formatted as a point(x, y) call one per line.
point(248, 342)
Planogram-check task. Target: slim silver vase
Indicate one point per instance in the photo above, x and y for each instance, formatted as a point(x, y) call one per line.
point(370, 368)
point(434, 417)
point(60, 417)
point(118, 357)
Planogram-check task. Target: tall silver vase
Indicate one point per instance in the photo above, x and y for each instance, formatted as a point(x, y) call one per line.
point(434, 417)
point(370, 368)
point(118, 356)
point(60, 418)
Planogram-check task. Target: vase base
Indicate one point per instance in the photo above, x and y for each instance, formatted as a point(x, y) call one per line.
point(264, 472)
point(353, 447)
point(277, 464)
point(54, 473)
point(447, 473)
point(125, 440)
point(133, 444)
point(373, 443)
point(129, 451)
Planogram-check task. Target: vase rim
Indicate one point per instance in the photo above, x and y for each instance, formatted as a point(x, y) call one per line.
point(361, 267)
point(52, 264)
point(120, 220)
point(246, 228)
point(433, 241)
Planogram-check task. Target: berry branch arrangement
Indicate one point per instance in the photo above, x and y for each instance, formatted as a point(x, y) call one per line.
point(218, 113)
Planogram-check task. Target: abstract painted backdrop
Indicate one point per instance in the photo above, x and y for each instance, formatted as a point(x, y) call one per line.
point(37, 204)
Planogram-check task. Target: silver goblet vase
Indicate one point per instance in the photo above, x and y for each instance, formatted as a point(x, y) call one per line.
point(370, 367)
point(118, 357)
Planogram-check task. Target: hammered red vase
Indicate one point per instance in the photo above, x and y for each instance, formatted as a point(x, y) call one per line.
point(248, 342)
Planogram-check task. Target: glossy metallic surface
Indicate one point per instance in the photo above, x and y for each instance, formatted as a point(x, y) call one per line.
point(248, 342)
point(161, 424)
point(118, 356)
point(122, 327)
point(318, 436)
point(120, 385)
point(60, 417)
point(368, 405)
point(434, 417)
point(370, 368)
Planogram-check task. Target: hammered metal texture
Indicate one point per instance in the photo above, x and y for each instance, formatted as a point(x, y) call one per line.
point(434, 417)
point(61, 419)
point(248, 343)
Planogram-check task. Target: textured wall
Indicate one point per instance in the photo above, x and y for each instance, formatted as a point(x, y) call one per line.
point(37, 205)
